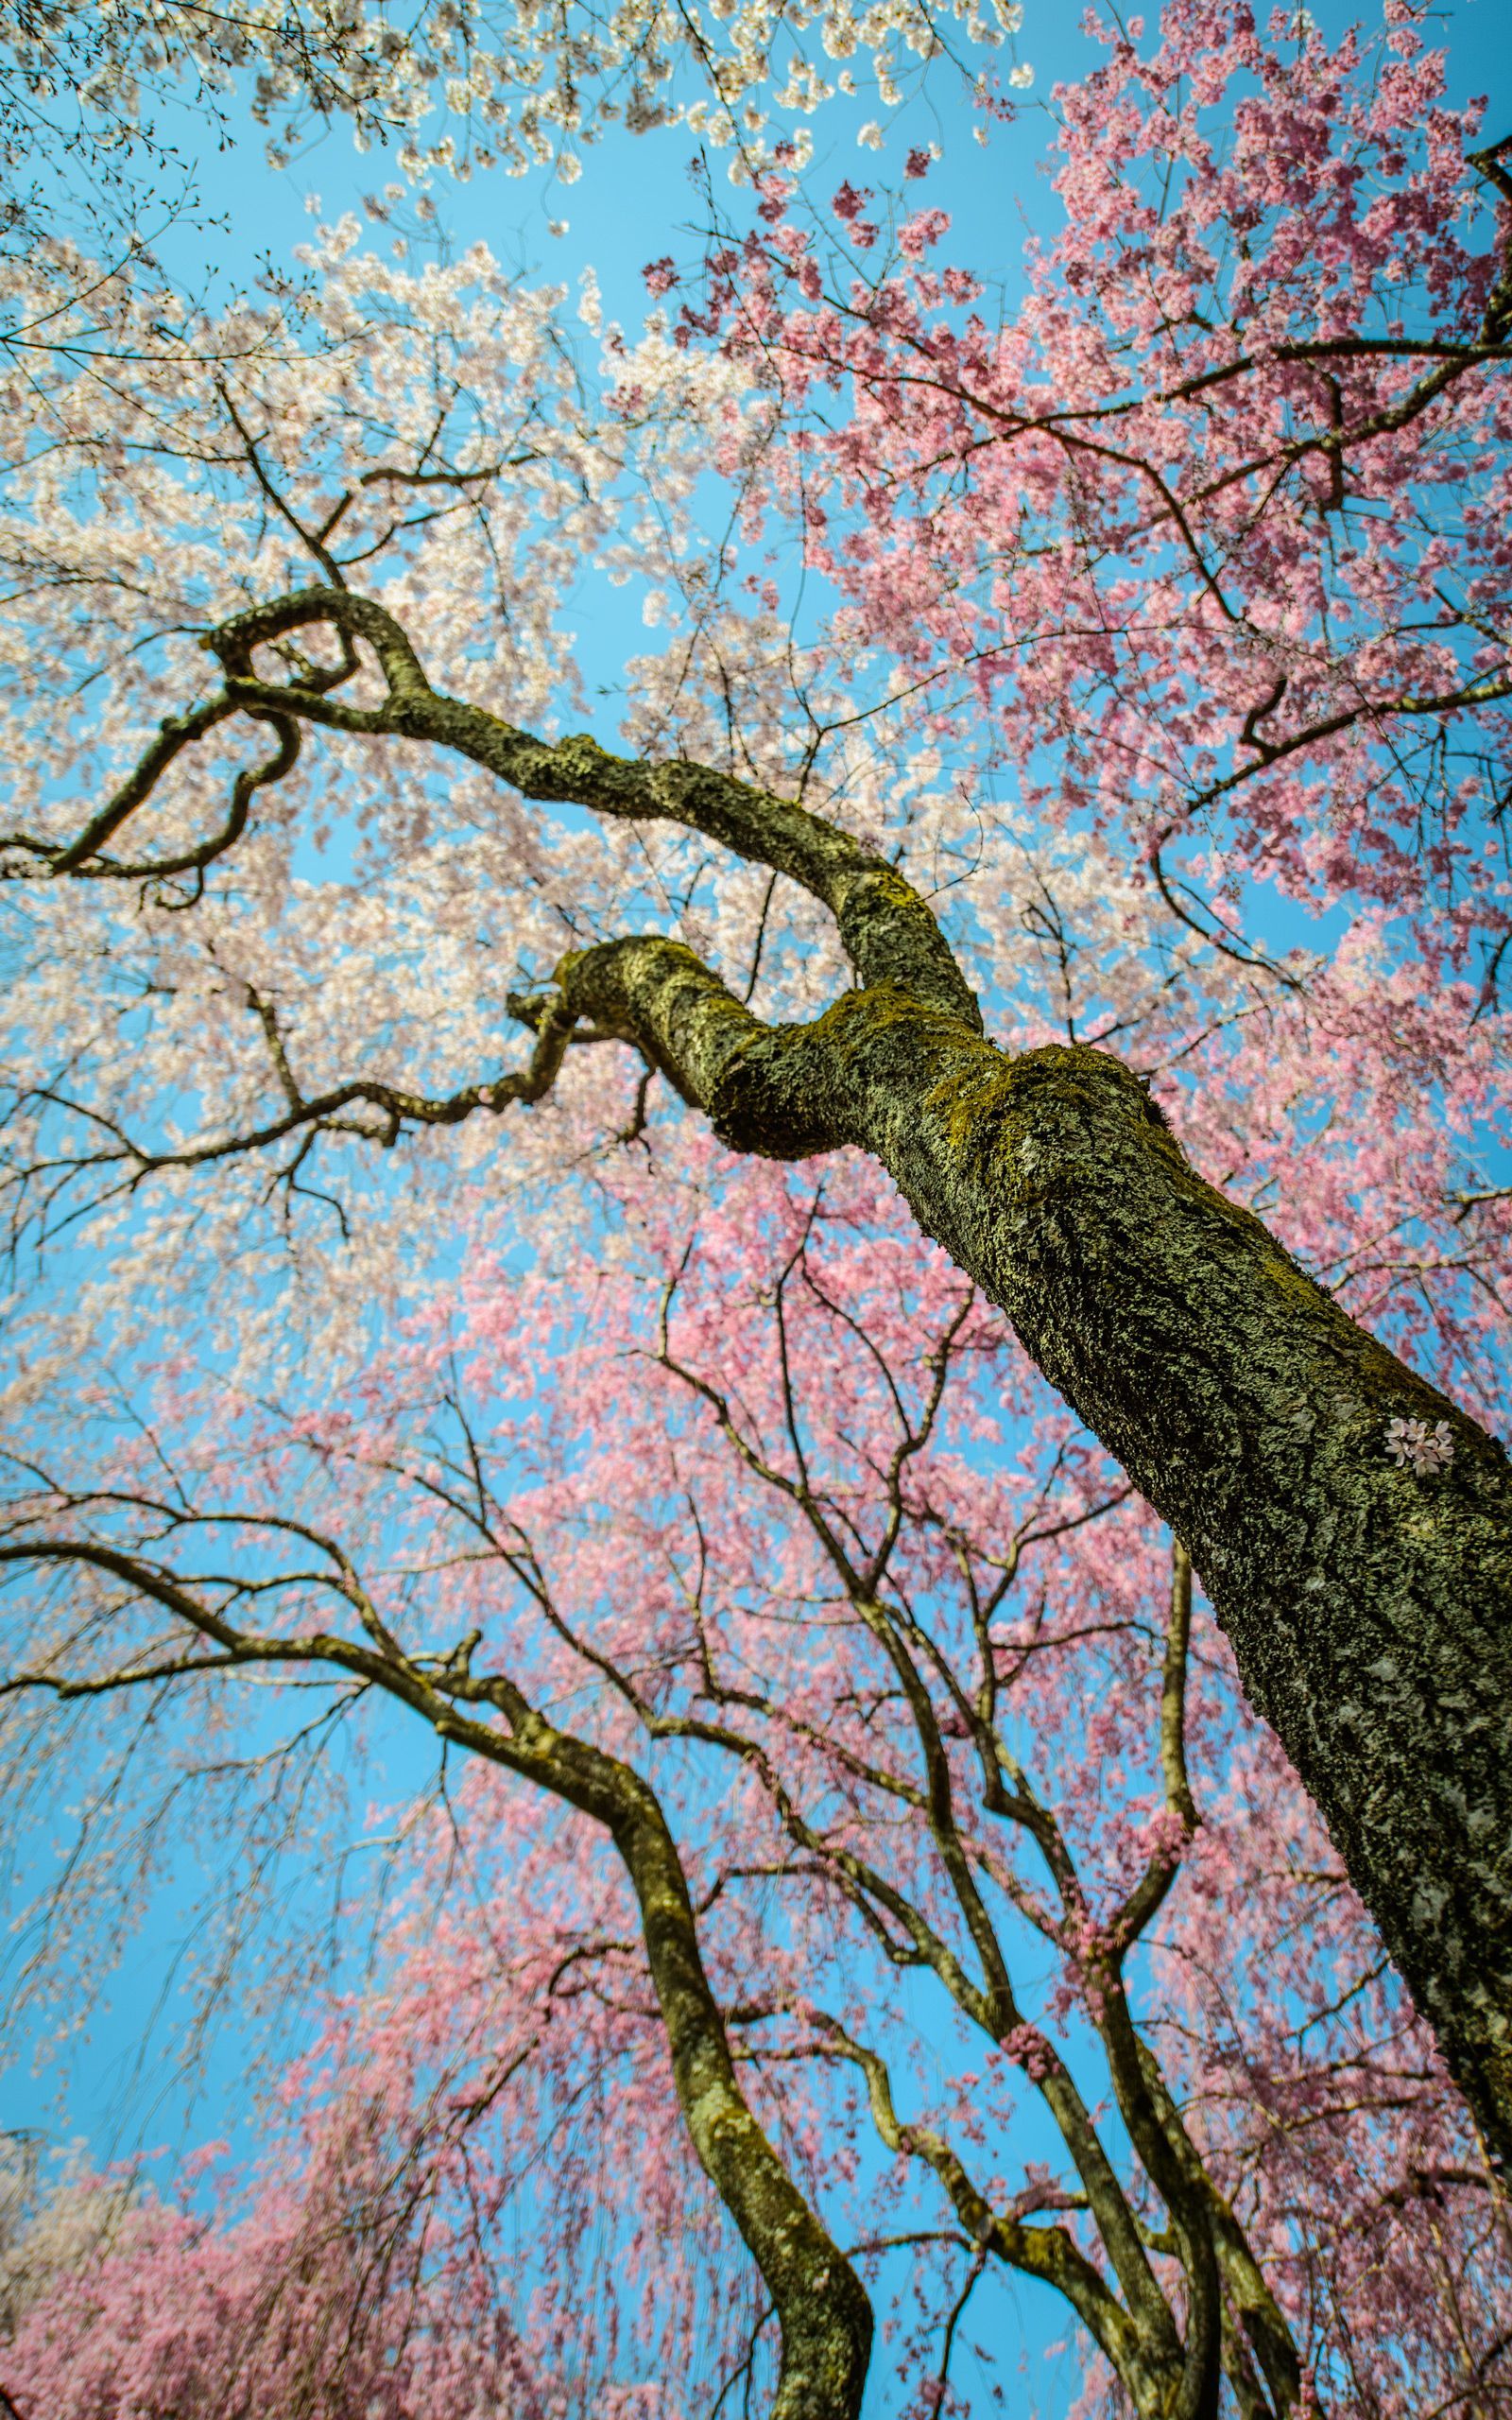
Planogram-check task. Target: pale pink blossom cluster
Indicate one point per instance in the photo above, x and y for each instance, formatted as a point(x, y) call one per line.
point(1419, 1447)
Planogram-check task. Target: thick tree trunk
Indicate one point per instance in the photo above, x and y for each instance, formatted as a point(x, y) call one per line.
point(1369, 1610)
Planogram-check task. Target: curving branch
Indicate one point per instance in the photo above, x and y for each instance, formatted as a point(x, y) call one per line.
point(85, 854)
point(1152, 1889)
point(1050, 2253)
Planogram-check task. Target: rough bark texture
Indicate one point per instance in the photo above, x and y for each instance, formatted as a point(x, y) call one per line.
point(1370, 1611)
point(1368, 1607)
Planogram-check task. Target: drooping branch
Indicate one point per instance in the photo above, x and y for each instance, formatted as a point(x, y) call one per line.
point(887, 930)
point(1047, 2252)
point(823, 2312)
point(85, 854)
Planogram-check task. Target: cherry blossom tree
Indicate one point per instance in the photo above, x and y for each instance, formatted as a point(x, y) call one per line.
point(1196, 548)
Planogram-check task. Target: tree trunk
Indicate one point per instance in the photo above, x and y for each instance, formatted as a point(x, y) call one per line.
point(1369, 1610)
